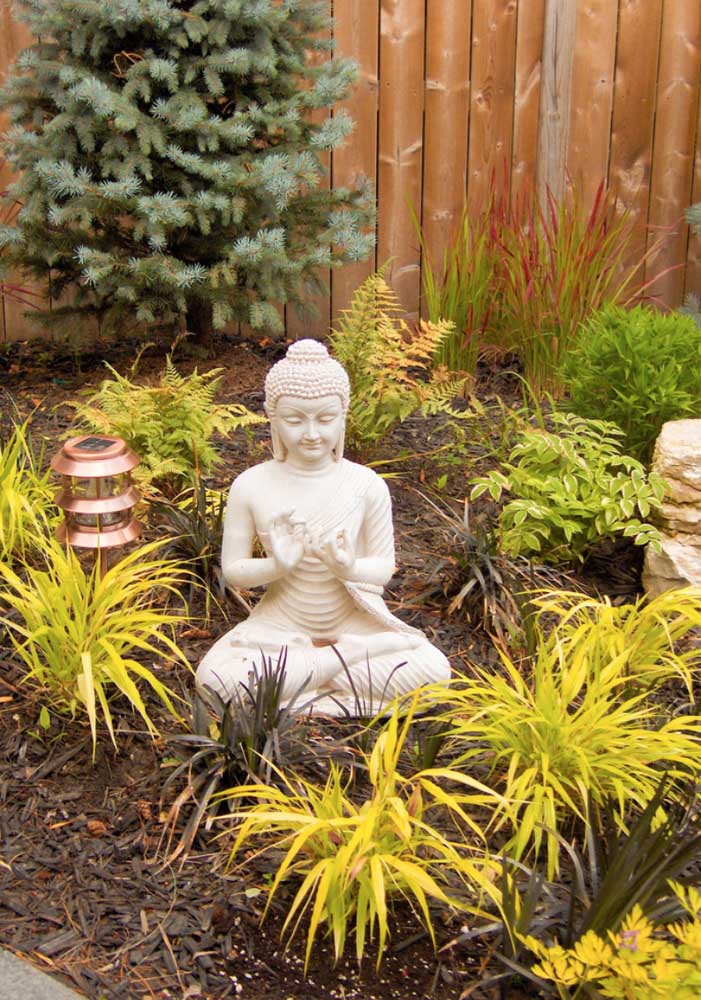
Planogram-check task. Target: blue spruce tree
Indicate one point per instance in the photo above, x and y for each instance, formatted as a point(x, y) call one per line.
point(168, 163)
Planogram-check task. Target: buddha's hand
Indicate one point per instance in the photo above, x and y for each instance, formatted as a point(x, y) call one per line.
point(286, 534)
point(338, 552)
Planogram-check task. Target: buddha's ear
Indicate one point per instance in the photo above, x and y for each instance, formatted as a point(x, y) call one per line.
point(338, 450)
point(278, 448)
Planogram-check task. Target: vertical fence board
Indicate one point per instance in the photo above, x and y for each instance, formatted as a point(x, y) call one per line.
point(492, 97)
point(555, 97)
point(692, 278)
point(400, 142)
point(672, 155)
point(446, 121)
point(315, 326)
point(592, 95)
point(14, 36)
point(529, 47)
point(356, 25)
point(639, 27)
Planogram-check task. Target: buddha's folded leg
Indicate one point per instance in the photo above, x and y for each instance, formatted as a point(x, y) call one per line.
point(237, 657)
point(363, 672)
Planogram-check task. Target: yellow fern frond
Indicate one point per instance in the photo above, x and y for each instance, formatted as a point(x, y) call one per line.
point(389, 364)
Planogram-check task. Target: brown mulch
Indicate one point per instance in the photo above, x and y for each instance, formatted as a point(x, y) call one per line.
point(84, 893)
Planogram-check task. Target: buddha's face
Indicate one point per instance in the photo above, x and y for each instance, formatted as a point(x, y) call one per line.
point(308, 429)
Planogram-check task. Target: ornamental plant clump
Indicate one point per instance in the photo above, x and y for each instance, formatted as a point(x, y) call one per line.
point(519, 277)
point(557, 266)
point(463, 291)
point(558, 737)
point(170, 425)
point(76, 633)
point(571, 487)
point(638, 962)
point(233, 741)
point(384, 359)
point(637, 368)
point(644, 639)
point(355, 857)
point(27, 511)
point(192, 526)
point(170, 158)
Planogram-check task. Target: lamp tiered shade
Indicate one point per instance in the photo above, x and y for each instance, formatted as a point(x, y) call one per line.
point(97, 496)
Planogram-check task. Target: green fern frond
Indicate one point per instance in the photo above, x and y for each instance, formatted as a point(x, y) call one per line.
point(170, 425)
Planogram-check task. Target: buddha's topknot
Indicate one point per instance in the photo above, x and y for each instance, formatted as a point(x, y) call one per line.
point(307, 371)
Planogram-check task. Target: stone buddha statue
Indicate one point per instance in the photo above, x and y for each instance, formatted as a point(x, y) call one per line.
point(325, 527)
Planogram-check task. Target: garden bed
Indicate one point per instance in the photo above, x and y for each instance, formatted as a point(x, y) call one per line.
point(84, 892)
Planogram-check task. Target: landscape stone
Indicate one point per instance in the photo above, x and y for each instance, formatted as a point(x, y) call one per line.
point(677, 564)
point(677, 458)
point(21, 981)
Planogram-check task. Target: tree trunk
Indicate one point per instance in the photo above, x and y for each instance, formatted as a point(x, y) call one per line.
point(199, 322)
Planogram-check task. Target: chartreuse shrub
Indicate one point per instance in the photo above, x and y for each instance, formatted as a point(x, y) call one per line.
point(569, 488)
point(76, 632)
point(559, 737)
point(638, 368)
point(169, 425)
point(637, 962)
point(384, 360)
point(355, 857)
point(27, 511)
point(644, 639)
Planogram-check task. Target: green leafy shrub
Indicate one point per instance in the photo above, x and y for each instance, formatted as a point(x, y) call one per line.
point(169, 425)
point(355, 857)
point(383, 358)
point(638, 962)
point(571, 487)
point(558, 737)
point(76, 632)
point(637, 368)
point(27, 511)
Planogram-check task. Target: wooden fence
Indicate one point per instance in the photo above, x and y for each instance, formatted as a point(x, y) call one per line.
point(452, 91)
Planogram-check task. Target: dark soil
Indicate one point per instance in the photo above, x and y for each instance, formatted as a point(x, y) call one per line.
point(84, 892)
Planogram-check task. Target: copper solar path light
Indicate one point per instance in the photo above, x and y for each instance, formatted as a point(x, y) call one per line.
point(97, 495)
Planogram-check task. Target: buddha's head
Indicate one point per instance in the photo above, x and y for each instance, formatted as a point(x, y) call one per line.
point(306, 400)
